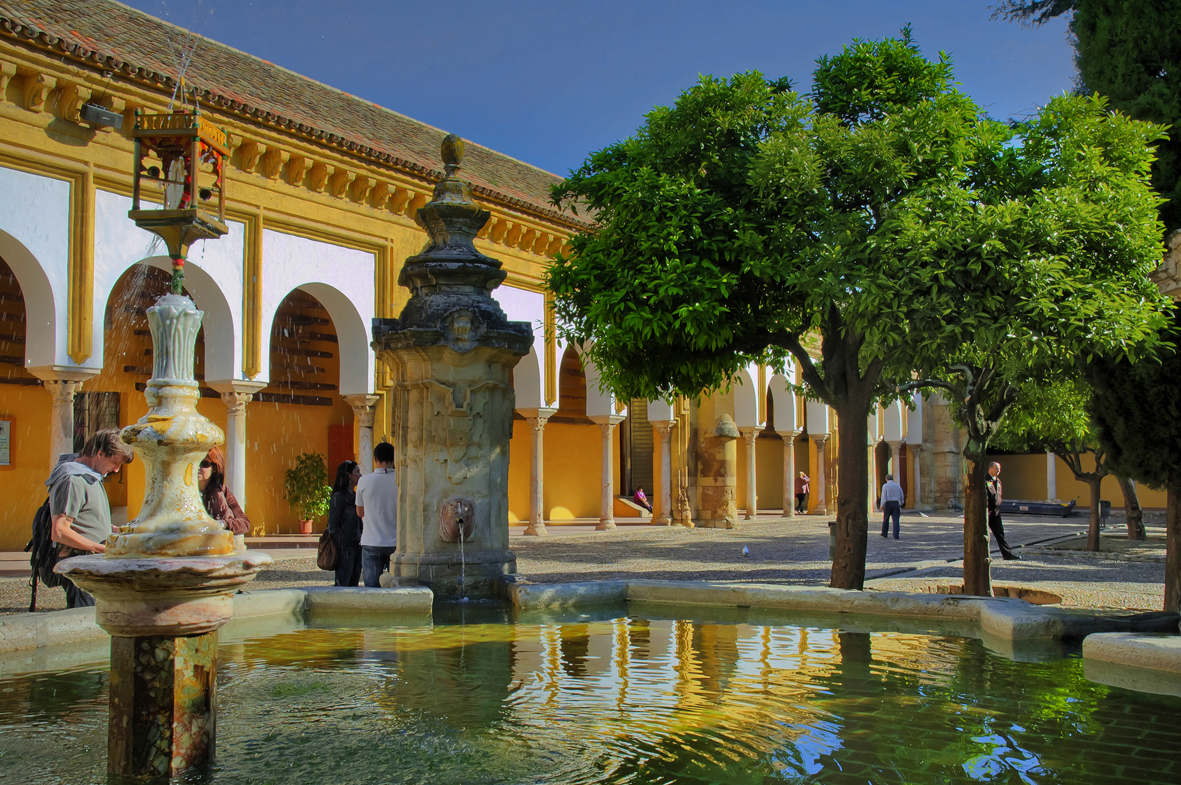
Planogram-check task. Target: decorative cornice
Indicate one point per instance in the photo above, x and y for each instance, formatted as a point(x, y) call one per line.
point(149, 77)
point(37, 89)
point(69, 101)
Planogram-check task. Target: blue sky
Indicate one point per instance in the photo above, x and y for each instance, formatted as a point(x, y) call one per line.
point(548, 82)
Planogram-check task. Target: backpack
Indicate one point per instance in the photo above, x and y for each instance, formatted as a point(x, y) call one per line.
point(43, 553)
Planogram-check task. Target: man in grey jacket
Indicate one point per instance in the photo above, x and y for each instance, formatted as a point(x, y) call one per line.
point(78, 504)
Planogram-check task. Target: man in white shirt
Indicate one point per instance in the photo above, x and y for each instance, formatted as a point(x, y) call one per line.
point(892, 499)
point(377, 505)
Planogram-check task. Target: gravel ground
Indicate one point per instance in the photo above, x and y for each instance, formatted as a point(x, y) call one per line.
point(1126, 575)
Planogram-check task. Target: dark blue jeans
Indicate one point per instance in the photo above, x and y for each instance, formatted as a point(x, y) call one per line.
point(894, 510)
point(374, 561)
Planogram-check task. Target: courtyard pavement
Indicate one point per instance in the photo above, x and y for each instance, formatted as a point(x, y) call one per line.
point(780, 551)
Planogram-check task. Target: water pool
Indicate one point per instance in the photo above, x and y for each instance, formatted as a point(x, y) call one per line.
point(628, 696)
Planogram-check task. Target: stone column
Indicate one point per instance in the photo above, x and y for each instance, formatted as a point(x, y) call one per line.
point(363, 412)
point(236, 394)
point(664, 514)
point(537, 419)
point(607, 423)
point(818, 482)
point(915, 453)
point(1051, 477)
point(61, 420)
point(789, 473)
point(895, 462)
point(752, 510)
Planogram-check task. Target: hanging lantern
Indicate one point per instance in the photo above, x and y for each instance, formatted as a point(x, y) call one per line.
point(183, 155)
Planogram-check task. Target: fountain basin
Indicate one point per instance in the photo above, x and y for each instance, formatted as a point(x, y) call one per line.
point(625, 692)
point(163, 597)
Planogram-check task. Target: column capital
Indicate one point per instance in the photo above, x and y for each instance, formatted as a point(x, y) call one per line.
point(749, 433)
point(663, 427)
point(819, 438)
point(607, 419)
point(537, 418)
point(63, 373)
point(236, 401)
point(362, 404)
point(790, 435)
point(241, 386)
point(63, 390)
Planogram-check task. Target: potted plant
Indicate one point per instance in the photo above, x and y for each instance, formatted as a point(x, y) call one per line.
point(308, 491)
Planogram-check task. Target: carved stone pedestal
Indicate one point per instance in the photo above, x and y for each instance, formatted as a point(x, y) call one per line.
point(452, 350)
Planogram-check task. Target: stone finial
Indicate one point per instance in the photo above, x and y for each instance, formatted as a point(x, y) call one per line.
point(452, 151)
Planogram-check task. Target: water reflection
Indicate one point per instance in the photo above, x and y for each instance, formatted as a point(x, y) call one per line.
point(626, 698)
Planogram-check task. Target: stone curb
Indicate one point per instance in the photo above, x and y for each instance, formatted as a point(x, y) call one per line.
point(38, 630)
point(1156, 652)
point(1002, 617)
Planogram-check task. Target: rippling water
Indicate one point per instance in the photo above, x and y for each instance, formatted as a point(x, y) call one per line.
point(631, 699)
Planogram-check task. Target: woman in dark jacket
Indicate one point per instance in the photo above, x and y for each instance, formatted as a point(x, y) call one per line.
point(345, 525)
point(219, 501)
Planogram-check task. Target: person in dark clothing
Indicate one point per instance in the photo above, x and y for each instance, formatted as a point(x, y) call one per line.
point(993, 486)
point(344, 524)
point(219, 501)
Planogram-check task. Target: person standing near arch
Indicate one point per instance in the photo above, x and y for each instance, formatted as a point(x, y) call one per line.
point(377, 506)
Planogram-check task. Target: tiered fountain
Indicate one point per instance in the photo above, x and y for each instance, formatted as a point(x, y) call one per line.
point(166, 582)
point(452, 350)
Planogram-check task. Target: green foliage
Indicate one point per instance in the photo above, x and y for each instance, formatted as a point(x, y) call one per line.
point(882, 210)
point(1051, 416)
point(1137, 411)
point(308, 491)
point(1130, 52)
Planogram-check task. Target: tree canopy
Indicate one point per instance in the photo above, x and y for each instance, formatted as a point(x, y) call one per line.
point(882, 211)
point(1130, 52)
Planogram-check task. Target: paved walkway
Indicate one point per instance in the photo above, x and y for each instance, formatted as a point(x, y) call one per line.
point(1125, 575)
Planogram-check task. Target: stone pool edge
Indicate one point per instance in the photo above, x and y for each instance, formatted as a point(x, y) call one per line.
point(37, 630)
point(1133, 640)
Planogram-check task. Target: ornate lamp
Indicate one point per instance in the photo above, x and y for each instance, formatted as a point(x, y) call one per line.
point(192, 153)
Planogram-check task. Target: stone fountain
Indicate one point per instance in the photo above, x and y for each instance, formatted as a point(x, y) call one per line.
point(166, 582)
point(452, 351)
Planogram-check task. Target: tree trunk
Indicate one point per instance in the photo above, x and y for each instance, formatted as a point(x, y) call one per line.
point(1173, 545)
point(1132, 510)
point(848, 564)
point(1094, 483)
point(976, 576)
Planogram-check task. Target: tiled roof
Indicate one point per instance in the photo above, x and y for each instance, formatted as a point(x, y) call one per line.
point(140, 47)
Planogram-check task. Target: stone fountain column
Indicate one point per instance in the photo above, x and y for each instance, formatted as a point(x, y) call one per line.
point(452, 350)
point(166, 582)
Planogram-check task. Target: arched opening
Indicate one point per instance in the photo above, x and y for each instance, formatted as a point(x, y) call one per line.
point(573, 448)
point(300, 411)
point(24, 419)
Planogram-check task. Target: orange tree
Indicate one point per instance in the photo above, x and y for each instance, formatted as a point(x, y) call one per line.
point(882, 211)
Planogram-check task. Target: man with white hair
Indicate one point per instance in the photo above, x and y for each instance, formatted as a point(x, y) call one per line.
point(892, 498)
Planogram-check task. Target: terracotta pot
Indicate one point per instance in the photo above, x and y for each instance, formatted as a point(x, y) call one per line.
point(305, 527)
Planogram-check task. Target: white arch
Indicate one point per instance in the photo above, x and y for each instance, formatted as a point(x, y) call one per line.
point(660, 411)
point(342, 280)
point(914, 421)
point(213, 276)
point(746, 399)
point(785, 404)
point(522, 305)
point(817, 414)
point(599, 402)
point(356, 360)
point(527, 381)
point(892, 422)
point(221, 350)
point(41, 334)
point(35, 242)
